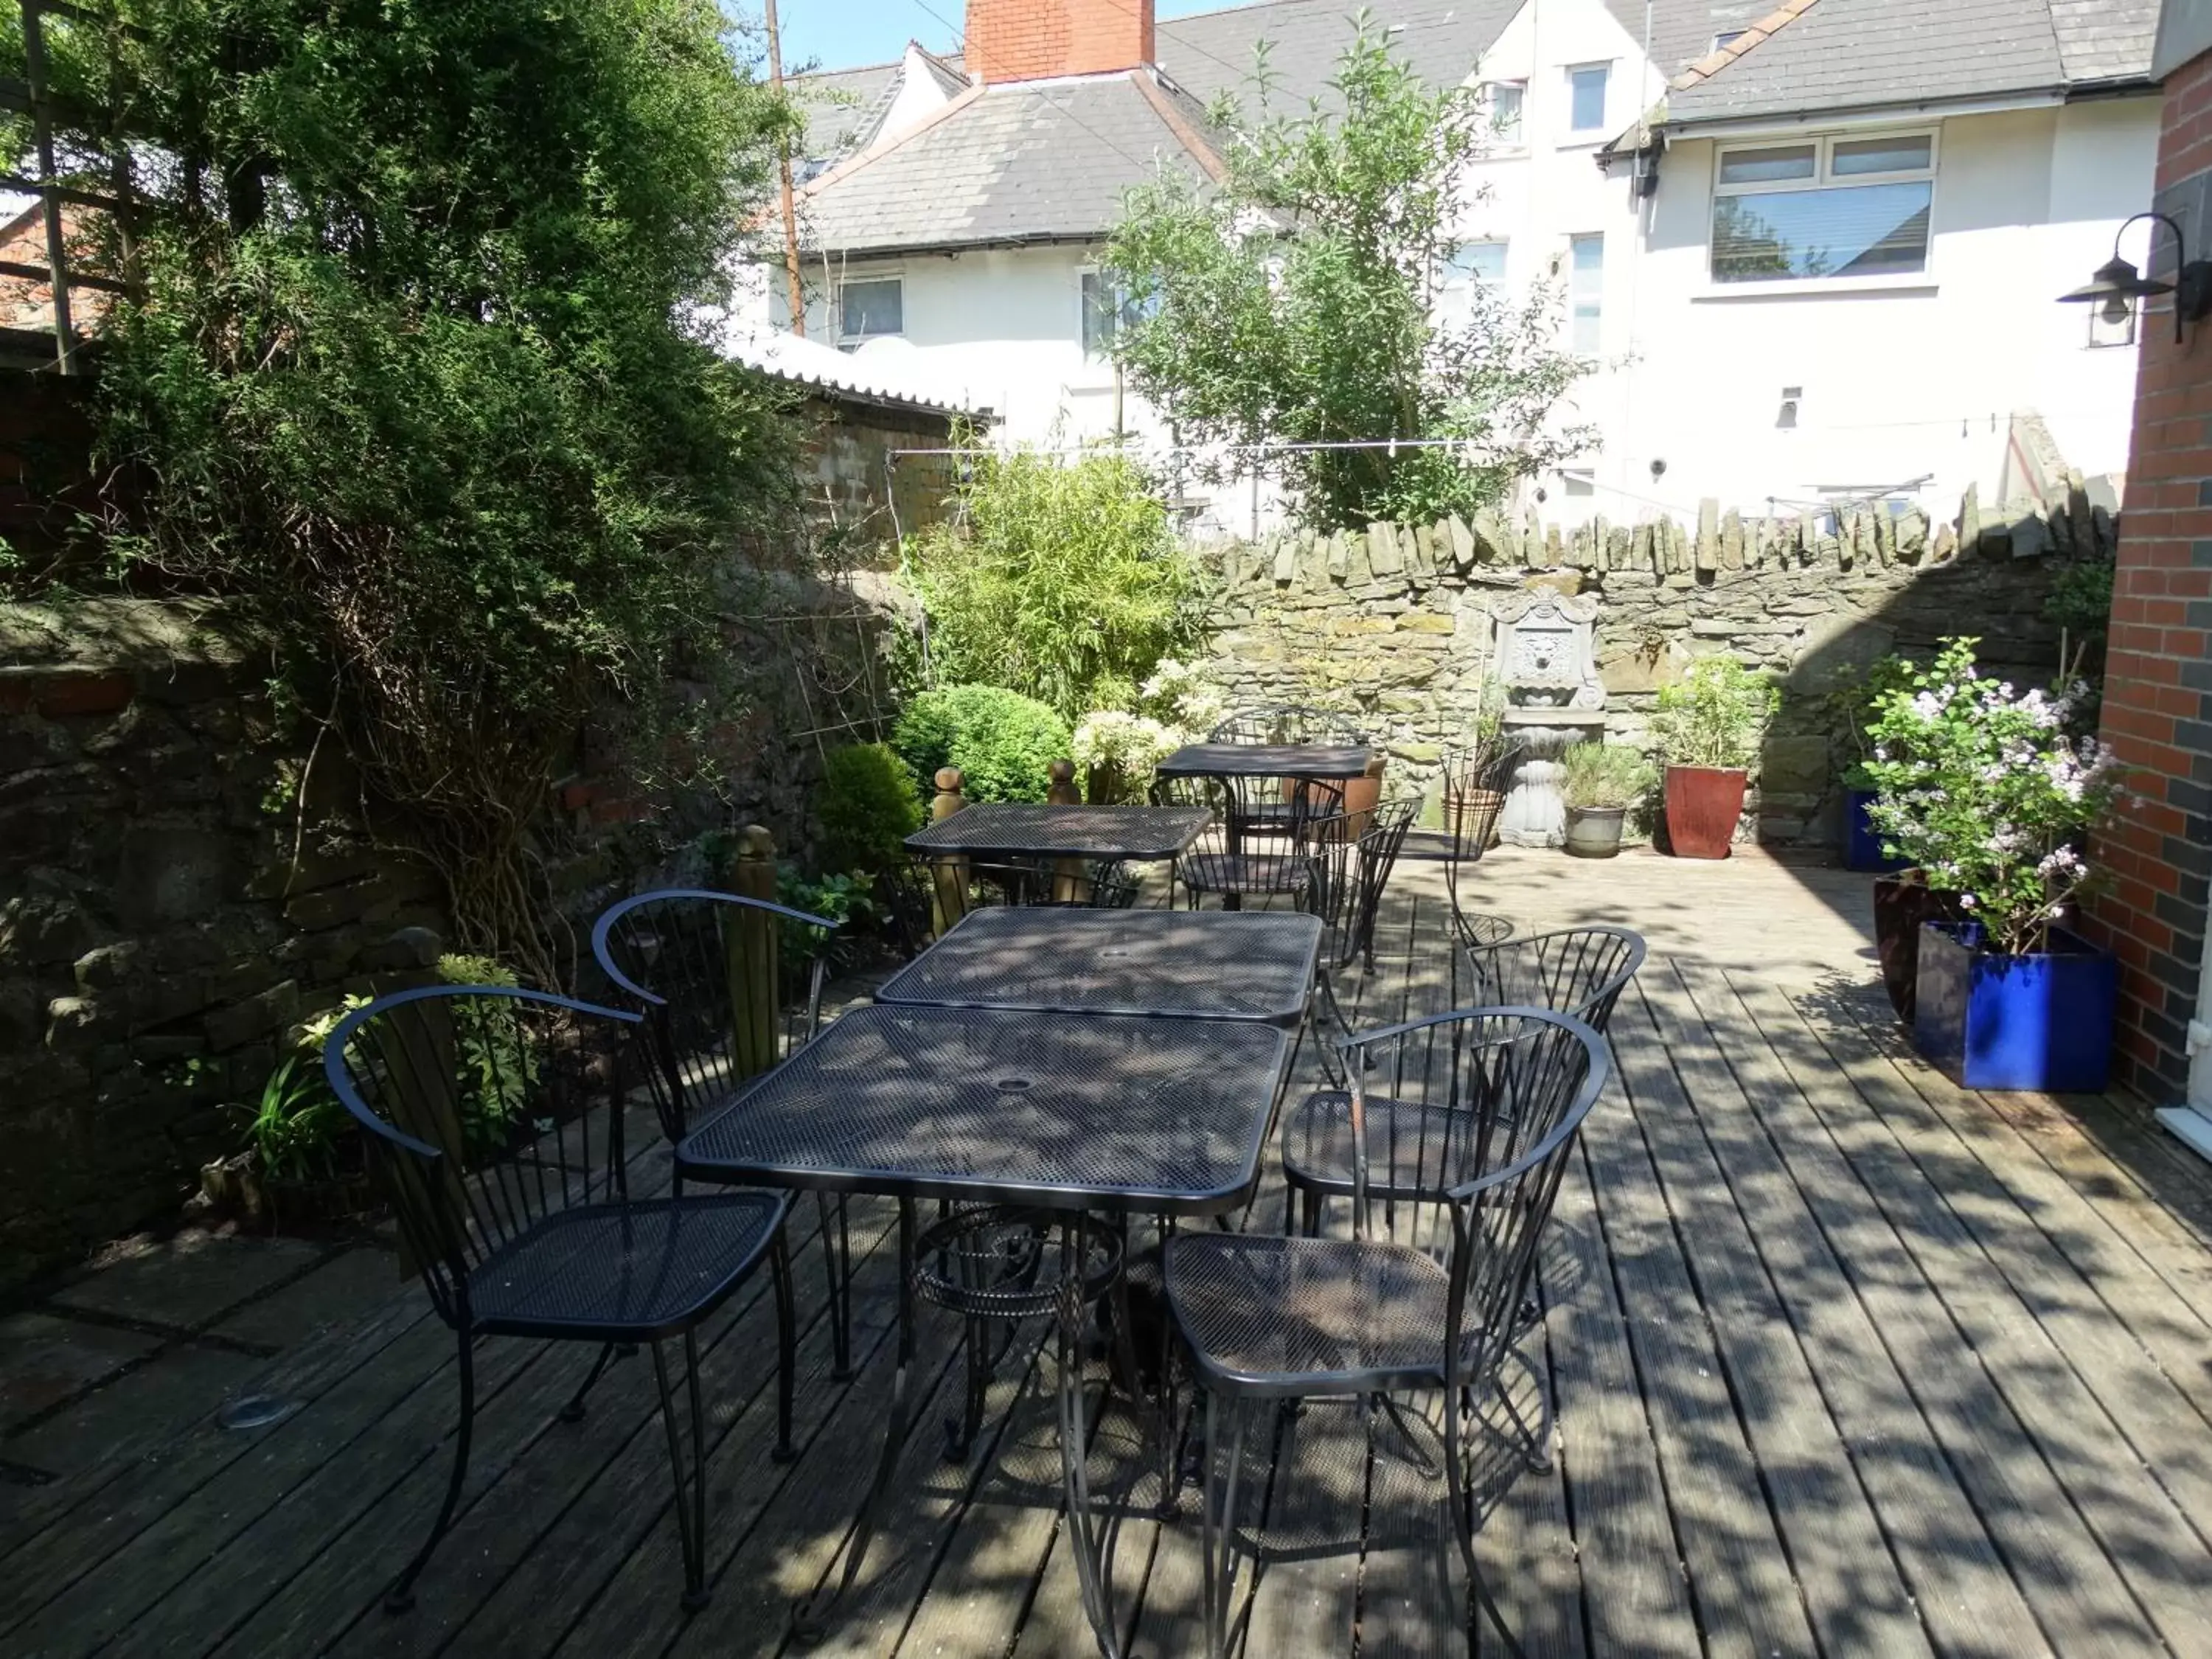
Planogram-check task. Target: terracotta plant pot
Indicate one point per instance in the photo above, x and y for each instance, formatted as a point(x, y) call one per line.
point(1902, 902)
point(1702, 805)
point(1593, 832)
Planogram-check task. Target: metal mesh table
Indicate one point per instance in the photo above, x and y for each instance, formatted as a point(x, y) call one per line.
point(1265, 760)
point(989, 1105)
point(1145, 833)
point(1068, 1113)
point(1187, 964)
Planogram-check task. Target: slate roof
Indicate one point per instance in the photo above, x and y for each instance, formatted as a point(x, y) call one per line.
point(844, 108)
point(1871, 54)
point(1211, 51)
point(1012, 163)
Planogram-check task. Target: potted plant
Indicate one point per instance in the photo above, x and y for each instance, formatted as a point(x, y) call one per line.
point(1863, 848)
point(1599, 782)
point(1992, 796)
point(302, 1163)
point(1708, 726)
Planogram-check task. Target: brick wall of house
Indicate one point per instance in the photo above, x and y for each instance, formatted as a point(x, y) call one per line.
point(1031, 39)
point(2157, 699)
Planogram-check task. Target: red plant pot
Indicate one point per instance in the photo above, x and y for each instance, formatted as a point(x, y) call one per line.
point(1702, 805)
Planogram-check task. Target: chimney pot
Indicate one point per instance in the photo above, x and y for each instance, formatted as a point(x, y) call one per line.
point(1036, 40)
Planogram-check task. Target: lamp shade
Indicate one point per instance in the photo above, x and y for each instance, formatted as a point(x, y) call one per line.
point(2116, 279)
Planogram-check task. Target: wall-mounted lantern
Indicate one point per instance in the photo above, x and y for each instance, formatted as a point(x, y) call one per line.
point(2118, 284)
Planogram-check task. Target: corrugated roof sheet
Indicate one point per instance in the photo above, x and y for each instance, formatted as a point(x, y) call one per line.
point(877, 376)
point(1029, 161)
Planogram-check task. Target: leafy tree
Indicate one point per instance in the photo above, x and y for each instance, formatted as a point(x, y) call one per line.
point(420, 371)
point(1295, 302)
point(1060, 580)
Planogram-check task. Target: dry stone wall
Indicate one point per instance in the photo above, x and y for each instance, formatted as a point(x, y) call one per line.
point(1397, 619)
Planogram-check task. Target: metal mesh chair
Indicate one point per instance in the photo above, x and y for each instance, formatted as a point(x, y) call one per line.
point(1428, 1306)
point(495, 1119)
point(706, 968)
point(1475, 778)
point(1245, 852)
point(936, 891)
point(1419, 1146)
point(1356, 871)
point(1291, 723)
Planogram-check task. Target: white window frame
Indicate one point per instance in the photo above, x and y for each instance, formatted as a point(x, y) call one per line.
point(1596, 349)
point(1823, 145)
point(1596, 133)
point(849, 342)
point(1515, 138)
point(1122, 312)
point(1578, 483)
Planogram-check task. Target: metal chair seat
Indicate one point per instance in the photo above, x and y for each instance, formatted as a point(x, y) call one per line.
point(1414, 1151)
point(1310, 1317)
point(1246, 872)
point(625, 1272)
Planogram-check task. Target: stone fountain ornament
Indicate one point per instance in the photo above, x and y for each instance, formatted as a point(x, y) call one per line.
point(1545, 646)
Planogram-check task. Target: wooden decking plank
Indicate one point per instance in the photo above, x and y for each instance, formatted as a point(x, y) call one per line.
point(1305, 1589)
point(1995, 1375)
point(529, 1467)
point(1810, 1217)
point(1749, 1602)
point(1854, 1592)
point(1635, 1586)
point(1412, 1584)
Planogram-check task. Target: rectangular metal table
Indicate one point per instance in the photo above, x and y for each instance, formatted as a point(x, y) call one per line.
point(1185, 964)
point(1073, 1114)
point(1143, 833)
point(1265, 760)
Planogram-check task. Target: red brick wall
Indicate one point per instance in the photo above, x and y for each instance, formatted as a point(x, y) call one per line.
point(1031, 39)
point(2158, 692)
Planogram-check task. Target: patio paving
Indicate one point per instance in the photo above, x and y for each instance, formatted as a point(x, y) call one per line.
point(1846, 1360)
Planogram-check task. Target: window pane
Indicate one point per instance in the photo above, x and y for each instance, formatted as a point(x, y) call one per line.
point(1588, 86)
point(1505, 112)
point(1097, 314)
point(1759, 166)
point(870, 308)
point(1478, 261)
point(1586, 292)
point(1578, 483)
point(1865, 231)
point(1879, 156)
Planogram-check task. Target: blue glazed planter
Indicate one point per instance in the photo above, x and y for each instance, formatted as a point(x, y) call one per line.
point(1861, 845)
point(2039, 1022)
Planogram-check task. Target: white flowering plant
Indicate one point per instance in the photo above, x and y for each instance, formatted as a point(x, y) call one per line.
point(1991, 793)
point(1120, 748)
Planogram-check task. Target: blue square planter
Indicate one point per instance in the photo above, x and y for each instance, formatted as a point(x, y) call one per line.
point(1862, 841)
point(2039, 1022)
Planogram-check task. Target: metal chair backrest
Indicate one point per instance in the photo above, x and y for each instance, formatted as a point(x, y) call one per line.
point(1291, 723)
point(486, 1110)
point(1520, 1081)
point(1278, 828)
point(1580, 971)
point(1357, 872)
point(708, 969)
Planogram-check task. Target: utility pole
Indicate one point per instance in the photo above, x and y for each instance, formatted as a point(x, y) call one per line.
point(796, 294)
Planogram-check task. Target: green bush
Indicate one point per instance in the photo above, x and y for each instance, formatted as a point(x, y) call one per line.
point(1602, 775)
point(1716, 715)
point(1063, 581)
point(1001, 741)
point(866, 808)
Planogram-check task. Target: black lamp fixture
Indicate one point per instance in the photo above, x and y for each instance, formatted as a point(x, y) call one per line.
point(2118, 284)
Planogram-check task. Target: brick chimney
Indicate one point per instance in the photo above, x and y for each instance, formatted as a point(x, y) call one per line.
point(1032, 40)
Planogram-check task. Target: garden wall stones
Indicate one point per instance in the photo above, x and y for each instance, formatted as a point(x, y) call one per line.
point(1397, 619)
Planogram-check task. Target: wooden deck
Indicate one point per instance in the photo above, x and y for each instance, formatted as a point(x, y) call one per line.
point(1846, 1361)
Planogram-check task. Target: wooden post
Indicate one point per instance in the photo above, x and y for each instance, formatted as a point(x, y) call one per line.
point(1070, 879)
point(748, 955)
point(948, 876)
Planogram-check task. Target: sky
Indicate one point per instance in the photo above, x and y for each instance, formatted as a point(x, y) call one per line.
point(845, 33)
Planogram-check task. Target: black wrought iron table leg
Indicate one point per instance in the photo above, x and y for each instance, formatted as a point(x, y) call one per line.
point(809, 1618)
point(1086, 1539)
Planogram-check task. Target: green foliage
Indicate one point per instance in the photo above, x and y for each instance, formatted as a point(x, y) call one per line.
point(1061, 579)
point(1603, 775)
point(422, 372)
point(1855, 706)
point(1296, 301)
point(848, 899)
point(1714, 715)
point(866, 807)
point(1001, 741)
point(1989, 793)
point(2079, 603)
point(297, 1128)
point(496, 1062)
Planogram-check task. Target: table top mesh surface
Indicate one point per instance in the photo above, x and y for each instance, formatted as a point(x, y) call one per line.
point(1195, 964)
point(1095, 832)
point(1265, 760)
point(1069, 1111)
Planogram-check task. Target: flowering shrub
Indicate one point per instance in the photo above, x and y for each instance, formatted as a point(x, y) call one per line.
point(1119, 747)
point(1127, 745)
point(1988, 792)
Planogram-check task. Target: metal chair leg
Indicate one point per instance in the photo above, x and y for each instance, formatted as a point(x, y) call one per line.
point(573, 1411)
point(400, 1595)
point(786, 1346)
point(1218, 1524)
point(837, 1259)
point(1462, 1499)
point(691, 1495)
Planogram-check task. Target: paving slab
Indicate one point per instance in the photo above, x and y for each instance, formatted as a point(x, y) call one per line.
point(343, 1288)
point(46, 1359)
point(158, 1400)
point(187, 1281)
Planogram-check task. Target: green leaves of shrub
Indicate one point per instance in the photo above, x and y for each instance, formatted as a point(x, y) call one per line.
point(866, 807)
point(1001, 741)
